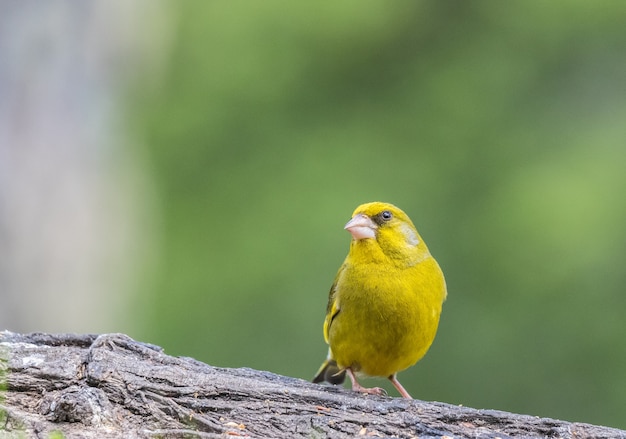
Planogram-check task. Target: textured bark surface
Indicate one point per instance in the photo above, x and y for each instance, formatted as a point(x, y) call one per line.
point(112, 386)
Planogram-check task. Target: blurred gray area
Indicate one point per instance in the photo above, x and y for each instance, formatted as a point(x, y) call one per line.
point(71, 195)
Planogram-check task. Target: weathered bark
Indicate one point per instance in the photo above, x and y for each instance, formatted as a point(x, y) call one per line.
point(112, 386)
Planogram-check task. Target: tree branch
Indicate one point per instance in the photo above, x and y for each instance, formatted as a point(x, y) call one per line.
point(111, 386)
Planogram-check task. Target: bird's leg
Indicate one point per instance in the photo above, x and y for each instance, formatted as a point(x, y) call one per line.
point(398, 386)
point(358, 388)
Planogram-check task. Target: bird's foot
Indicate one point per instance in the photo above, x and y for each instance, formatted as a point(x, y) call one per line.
point(397, 385)
point(359, 388)
point(370, 390)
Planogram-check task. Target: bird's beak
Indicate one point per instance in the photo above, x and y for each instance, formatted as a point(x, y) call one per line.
point(361, 227)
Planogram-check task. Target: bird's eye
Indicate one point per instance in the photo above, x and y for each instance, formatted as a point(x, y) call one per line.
point(386, 215)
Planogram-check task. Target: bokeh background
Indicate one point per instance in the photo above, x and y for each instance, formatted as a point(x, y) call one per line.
point(182, 171)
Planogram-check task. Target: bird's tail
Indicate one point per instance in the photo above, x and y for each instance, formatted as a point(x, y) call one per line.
point(330, 372)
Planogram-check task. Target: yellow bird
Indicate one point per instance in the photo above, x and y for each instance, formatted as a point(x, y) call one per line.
point(384, 306)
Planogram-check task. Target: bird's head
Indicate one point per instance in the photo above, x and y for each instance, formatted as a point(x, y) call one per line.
point(389, 228)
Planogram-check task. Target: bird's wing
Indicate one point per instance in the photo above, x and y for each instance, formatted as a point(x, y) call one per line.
point(332, 309)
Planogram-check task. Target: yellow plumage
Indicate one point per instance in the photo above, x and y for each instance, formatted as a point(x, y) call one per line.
point(384, 306)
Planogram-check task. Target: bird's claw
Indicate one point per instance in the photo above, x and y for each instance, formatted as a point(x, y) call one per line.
point(371, 390)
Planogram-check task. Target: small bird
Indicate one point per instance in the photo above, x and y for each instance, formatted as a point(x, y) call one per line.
point(384, 305)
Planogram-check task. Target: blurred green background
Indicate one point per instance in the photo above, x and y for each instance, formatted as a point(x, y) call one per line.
point(497, 126)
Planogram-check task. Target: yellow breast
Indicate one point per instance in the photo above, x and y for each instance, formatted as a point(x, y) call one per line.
point(388, 316)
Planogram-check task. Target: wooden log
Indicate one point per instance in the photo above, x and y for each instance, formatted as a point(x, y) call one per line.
point(110, 386)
